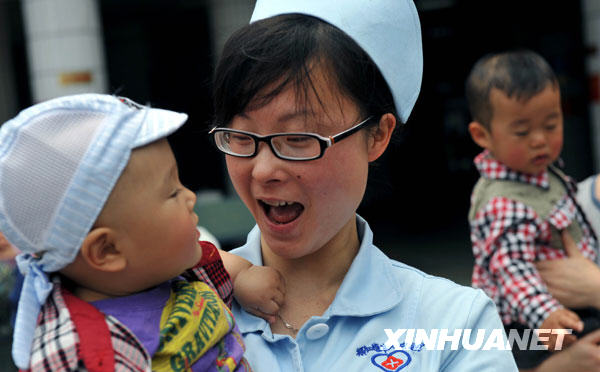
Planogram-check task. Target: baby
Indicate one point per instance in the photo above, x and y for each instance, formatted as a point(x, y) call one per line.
point(115, 275)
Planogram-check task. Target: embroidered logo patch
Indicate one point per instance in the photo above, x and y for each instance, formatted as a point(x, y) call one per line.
point(389, 359)
point(391, 362)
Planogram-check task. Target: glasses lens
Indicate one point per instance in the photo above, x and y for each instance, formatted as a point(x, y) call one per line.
point(296, 146)
point(235, 143)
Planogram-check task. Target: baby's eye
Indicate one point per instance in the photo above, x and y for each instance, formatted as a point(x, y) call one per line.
point(522, 133)
point(550, 126)
point(175, 193)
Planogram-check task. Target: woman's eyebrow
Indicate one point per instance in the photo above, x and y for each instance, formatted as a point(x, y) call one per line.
point(287, 116)
point(293, 115)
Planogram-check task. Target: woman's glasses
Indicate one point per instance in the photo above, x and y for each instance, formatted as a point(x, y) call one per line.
point(287, 146)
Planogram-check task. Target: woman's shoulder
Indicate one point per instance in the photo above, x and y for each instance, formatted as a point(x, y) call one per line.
point(413, 275)
point(434, 293)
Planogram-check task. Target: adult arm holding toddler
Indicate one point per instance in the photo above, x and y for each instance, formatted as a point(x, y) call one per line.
point(575, 282)
point(575, 279)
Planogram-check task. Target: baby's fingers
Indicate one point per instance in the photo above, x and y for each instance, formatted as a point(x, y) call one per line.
point(267, 306)
point(271, 318)
point(278, 298)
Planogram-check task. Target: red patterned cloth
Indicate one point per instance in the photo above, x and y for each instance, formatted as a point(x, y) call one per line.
point(508, 237)
point(62, 340)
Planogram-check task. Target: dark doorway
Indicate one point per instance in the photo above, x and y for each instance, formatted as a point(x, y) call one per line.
point(159, 53)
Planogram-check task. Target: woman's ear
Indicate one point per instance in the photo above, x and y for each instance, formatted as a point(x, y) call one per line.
point(479, 134)
point(380, 136)
point(101, 251)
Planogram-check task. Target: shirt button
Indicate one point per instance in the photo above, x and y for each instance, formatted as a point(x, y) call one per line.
point(317, 331)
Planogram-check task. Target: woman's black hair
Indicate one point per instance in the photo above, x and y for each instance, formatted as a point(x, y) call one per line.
point(279, 52)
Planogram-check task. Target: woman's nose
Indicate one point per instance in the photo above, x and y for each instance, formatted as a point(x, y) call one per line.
point(267, 167)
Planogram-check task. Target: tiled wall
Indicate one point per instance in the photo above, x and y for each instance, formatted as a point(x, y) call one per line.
point(64, 46)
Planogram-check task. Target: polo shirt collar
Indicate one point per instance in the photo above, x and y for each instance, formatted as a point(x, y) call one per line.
point(369, 287)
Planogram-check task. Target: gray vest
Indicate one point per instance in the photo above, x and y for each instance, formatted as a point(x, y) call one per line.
point(540, 200)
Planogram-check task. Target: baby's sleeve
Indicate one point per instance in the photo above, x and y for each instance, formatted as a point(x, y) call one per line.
point(211, 270)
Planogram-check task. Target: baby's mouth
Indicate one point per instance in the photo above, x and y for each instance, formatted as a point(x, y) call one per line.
point(540, 159)
point(281, 212)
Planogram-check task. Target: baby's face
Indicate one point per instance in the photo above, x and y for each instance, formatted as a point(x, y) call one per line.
point(526, 136)
point(153, 214)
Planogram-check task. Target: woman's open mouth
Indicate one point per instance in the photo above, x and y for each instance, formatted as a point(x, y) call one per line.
point(280, 211)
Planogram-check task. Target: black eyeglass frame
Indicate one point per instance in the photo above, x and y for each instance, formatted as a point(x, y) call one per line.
point(324, 142)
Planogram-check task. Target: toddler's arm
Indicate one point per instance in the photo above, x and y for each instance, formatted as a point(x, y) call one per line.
point(259, 290)
point(504, 237)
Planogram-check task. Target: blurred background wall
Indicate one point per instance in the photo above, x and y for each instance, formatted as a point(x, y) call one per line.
point(162, 52)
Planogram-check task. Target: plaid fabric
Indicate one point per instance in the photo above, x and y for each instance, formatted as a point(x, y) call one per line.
point(56, 343)
point(210, 270)
point(508, 237)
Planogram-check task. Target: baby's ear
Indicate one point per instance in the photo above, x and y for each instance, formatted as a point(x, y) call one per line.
point(100, 251)
point(479, 134)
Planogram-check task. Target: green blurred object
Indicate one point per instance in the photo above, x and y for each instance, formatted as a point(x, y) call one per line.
point(7, 281)
point(226, 218)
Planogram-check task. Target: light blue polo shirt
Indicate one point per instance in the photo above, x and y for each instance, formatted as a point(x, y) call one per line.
point(377, 293)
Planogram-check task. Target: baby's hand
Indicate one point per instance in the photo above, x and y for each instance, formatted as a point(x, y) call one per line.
point(260, 290)
point(562, 319)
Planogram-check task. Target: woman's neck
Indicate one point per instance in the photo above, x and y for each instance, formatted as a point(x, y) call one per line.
point(312, 281)
point(322, 270)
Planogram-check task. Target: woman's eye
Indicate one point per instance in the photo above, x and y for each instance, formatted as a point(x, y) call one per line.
point(239, 139)
point(175, 193)
point(550, 127)
point(521, 133)
point(297, 140)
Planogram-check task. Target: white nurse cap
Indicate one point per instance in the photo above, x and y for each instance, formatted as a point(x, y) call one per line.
point(389, 31)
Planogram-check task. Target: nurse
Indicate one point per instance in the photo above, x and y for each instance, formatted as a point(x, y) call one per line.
point(306, 97)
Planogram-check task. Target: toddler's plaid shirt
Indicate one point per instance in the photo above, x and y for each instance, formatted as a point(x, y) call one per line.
point(509, 237)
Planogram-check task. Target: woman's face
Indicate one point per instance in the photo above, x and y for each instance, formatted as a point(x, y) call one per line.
point(300, 206)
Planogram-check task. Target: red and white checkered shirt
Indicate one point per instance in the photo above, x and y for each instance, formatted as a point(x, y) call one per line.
point(66, 339)
point(509, 237)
